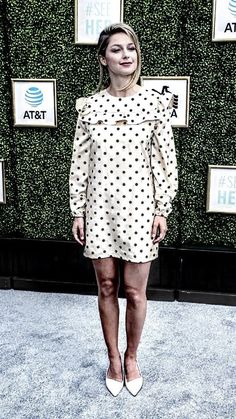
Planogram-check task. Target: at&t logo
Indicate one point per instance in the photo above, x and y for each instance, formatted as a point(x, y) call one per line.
point(34, 98)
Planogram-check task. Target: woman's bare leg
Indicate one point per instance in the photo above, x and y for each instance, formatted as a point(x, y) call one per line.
point(107, 276)
point(135, 281)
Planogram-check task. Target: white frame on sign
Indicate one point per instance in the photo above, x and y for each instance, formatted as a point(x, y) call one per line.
point(85, 7)
point(224, 19)
point(223, 177)
point(2, 182)
point(155, 82)
point(19, 86)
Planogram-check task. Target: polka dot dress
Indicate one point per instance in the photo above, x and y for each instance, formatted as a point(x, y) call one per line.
point(123, 172)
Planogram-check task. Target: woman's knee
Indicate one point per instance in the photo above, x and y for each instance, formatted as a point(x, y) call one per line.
point(135, 296)
point(107, 276)
point(108, 286)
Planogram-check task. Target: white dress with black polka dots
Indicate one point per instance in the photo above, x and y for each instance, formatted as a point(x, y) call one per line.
point(123, 172)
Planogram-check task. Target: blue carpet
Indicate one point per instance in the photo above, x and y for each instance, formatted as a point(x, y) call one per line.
point(53, 360)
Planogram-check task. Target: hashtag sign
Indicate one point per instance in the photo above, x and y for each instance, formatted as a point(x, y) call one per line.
point(221, 181)
point(89, 8)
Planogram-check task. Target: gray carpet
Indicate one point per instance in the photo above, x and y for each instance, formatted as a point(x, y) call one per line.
point(53, 360)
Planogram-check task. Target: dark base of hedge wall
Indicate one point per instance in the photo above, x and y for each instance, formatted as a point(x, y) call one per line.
point(199, 275)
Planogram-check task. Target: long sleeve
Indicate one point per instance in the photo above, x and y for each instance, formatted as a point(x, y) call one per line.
point(163, 160)
point(78, 180)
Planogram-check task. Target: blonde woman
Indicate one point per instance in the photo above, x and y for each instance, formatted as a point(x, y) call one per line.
point(123, 179)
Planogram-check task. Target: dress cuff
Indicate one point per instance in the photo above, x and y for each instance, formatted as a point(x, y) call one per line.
point(163, 210)
point(79, 212)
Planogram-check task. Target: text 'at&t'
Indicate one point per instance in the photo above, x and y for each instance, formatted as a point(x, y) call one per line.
point(34, 114)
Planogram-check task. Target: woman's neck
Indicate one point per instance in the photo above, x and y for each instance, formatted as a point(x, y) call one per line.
point(116, 86)
point(116, 91)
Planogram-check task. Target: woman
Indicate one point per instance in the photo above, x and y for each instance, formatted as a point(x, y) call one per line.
point(122, 181)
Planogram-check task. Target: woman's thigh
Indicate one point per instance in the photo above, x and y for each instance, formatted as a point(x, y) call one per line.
point(136, 275)
point(106, 270)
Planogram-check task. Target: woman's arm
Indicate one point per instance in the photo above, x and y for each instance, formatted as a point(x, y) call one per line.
point(78, 180)
point(164, 163)
point(79, 170)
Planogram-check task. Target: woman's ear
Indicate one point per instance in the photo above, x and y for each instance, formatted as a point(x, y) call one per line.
point(103, 60)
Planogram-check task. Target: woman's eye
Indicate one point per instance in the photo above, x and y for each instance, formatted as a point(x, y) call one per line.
point(118, 49)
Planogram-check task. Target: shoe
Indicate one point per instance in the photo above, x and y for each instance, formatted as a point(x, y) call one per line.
point(135, 385)
point(114, 386)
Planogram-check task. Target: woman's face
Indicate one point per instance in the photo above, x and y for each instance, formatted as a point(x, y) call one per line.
point(121, 55)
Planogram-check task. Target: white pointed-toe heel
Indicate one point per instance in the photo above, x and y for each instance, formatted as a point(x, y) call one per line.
point(114, 386)
point(134, 386)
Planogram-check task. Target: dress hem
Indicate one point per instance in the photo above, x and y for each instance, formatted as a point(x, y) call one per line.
point(121, 258)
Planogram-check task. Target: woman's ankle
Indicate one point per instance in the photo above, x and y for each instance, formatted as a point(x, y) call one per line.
point(114, 355)
point(130, 355)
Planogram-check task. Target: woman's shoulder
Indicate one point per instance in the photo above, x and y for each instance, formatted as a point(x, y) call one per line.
point(90, 101)
point(163, 97)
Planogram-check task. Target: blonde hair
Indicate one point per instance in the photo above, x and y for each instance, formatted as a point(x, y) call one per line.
point(101, 51)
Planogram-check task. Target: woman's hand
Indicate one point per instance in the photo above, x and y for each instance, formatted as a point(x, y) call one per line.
point(159, 229)
point(78, 230)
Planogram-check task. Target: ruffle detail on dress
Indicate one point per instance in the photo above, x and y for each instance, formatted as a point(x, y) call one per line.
point(89, 111)
point(166, 100)
point(80, 103)
point(108, 118)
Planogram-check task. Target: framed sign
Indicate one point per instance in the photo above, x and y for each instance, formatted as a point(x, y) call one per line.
point(34, 103)
point(91, 17)
point(180, 87)
point(2, 182)
point(221, 189)
point(224, 20)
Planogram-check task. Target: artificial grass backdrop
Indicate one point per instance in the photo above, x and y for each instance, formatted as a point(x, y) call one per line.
point(37, 41)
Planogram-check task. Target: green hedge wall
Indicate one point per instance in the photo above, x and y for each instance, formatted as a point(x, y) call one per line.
point(37, 41)
point(211, 137)
point(8, 214)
